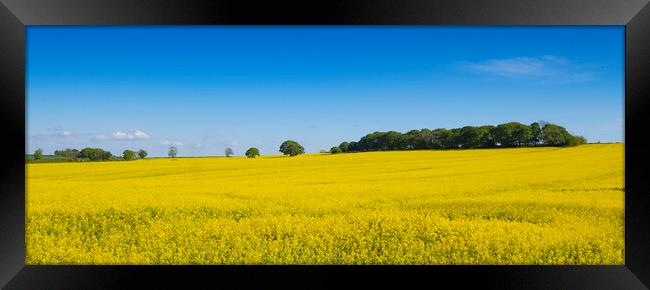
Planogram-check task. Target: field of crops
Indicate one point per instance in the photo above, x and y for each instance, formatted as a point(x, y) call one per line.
point(492, 206)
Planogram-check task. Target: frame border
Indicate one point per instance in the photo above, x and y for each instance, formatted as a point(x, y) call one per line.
point(633, 14)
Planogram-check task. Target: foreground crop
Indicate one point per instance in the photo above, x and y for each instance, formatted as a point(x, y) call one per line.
point(497, 206)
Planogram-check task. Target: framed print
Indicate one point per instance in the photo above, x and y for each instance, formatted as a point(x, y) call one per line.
point(487, 144)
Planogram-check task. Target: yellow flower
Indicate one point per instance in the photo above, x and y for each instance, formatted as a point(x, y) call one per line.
point(491, 206)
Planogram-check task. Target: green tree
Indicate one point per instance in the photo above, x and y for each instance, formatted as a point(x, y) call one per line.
point(535, 133)
point(452, 139)
point(410, 140)
point(344, 146)
point(89, 153)
point(229, 152)
point(487, 139)
point(576, 140)
point(142, 154)
point(441, 138)
point(69, 154)
point(521, 134)
point(38, 154)
point(172, 152)
point(252, 152)
point(554, 135)
point(470, 137)
point(353, 146)
point(423, 140)
point(291, 148)
point(335, 150)
point(128, 155)
point(392, 140)
point(95, 154)
point(372, 142)
point(502, 135)
point(511, 134)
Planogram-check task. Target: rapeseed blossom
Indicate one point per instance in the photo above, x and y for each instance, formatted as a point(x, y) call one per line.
point(488, 206)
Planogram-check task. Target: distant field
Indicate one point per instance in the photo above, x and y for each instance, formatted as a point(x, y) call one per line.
point(490, 206)
point(45, 159)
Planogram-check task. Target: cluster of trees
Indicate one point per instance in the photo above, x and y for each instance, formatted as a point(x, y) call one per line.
point(132, 155)
point(512, 134)
point(95, 154)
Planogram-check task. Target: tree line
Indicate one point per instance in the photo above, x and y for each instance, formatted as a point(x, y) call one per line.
point(507, 135)
point(92, 154)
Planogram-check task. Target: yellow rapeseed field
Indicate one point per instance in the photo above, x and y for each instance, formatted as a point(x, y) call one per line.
point(492, 206)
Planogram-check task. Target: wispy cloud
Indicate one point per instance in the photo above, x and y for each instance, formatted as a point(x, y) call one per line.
point(172, 143)
point(55, 133)
point(547, 69)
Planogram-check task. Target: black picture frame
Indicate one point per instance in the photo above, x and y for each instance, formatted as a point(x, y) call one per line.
point(634, 15)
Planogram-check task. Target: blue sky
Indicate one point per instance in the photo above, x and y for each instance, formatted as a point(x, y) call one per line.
point(205, 88)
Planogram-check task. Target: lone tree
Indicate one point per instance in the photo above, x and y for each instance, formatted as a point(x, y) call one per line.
point(336, 150)
point(291, 148)
point(142, 154)
point(172, 152)
point(128, 155)
point(252, 152)
point(38, 154)
point(229, 152)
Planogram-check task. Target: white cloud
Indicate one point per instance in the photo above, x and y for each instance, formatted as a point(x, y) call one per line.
point(173, 143)
point(121, 135)
point(140, 135)
point(548, 68)
point(506, 67)
point(131, 135)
